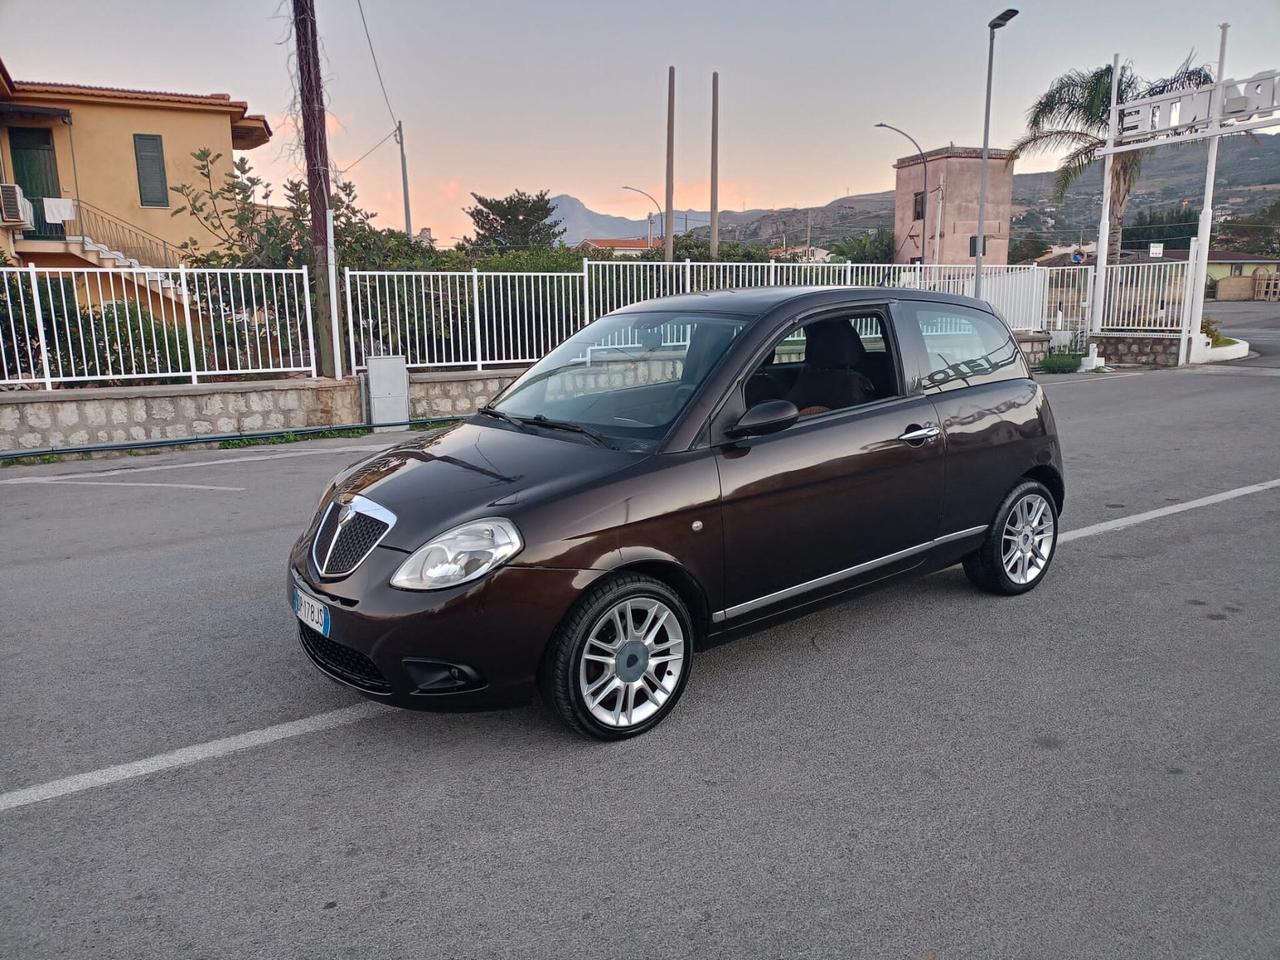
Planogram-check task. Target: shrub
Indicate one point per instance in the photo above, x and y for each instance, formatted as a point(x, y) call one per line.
point(1060, 363)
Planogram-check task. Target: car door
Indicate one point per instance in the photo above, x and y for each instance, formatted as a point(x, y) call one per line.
point(837, 495)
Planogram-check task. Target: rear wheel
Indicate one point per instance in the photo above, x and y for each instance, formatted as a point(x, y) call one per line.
point(621, 659)
point(1020, 544)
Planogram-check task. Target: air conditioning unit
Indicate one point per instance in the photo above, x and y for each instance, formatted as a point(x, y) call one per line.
point(15, 209)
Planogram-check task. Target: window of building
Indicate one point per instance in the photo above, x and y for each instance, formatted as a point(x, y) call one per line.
point(148, 154)
point(917, 206)
point(965, 347)
point(828, 364)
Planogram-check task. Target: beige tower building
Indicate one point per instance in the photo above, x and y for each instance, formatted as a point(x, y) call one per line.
point(952, 221)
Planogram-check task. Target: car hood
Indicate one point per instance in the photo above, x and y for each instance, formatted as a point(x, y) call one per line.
point(473, 470)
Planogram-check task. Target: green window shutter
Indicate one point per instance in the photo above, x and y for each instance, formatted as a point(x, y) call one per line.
point(148, 152)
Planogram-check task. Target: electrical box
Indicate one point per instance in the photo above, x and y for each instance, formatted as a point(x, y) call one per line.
point(388, 392)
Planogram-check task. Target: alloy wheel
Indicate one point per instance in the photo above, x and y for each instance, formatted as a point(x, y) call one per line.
point(632, 661)
point(1028, 537)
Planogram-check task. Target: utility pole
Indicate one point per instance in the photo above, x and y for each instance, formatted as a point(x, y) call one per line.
point(668, 249)
point(808, 238)
point(315, 147)
point(715, 164)
point(404, 178)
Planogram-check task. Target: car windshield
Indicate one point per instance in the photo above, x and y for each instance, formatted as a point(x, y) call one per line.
point(624, 378)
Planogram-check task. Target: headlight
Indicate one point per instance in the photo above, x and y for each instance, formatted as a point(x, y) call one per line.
point(459, 555)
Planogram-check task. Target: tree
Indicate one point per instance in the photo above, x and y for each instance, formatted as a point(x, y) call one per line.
point(687, 246)
point(875, 246)
point(1173, 228)
point(517, 221)
point(1031, 247)
point(248, 231)
point(1258, 234)
point(1073, 114)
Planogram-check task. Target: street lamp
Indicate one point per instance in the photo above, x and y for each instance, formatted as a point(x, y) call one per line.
point(655, 203)
point(992, 27)
point(924, 214)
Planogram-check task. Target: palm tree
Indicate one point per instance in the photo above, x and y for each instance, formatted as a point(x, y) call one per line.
point(1073, 114)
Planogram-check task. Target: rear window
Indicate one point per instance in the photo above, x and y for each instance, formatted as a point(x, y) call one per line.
point(965, 347)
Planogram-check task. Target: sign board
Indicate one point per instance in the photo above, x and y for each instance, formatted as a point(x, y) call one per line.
point(1196, 114)
point(1155, 251)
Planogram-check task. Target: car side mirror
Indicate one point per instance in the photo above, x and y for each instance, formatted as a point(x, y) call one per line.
point(768, 416)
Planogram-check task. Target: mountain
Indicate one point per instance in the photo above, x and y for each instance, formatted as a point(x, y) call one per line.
point(1248, 179)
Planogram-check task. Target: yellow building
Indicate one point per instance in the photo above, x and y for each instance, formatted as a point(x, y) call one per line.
point(106, 158)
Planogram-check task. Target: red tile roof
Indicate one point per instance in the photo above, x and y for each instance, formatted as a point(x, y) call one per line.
point(621, 244)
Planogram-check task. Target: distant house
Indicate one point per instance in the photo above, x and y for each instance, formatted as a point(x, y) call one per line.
point(87, 170)
point(801, 253)
point(619, 247)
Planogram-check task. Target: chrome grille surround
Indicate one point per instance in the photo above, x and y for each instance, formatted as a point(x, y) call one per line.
point(347, 533)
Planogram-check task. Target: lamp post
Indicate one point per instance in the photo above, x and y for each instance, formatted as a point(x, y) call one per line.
point(655, 203)
point(992, 27)
point(924, 215)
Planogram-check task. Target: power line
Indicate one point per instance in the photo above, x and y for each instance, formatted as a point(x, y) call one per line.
point(376, 68)
point(370, 150)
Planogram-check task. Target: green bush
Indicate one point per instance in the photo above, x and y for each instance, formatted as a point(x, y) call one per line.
point(1060, 363)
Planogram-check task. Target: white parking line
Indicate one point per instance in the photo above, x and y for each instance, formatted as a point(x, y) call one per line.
point(1105, 376)
point(63, 481)
point(254, 458)
point(186, 756)
point(1121, 522)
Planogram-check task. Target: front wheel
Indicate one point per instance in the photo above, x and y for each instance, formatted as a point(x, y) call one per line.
point(1020, 544)
point(621, 659)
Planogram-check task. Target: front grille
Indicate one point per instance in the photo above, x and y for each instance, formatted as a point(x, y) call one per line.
point(347, 534)
point(343, 662)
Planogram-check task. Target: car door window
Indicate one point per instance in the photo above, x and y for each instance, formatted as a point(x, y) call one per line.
point(964, 347)
point(831, 363)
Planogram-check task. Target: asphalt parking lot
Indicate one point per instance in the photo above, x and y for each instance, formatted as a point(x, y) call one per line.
point(925, 771)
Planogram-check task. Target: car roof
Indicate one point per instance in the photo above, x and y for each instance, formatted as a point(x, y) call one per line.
point(757, 301)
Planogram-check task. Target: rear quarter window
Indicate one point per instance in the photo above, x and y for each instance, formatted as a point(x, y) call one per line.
point(964, 347)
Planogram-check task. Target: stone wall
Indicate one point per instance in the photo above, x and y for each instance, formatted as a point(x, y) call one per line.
point(1120, 349)
point(37, 419)
point(1034, 344)
point(455, 394)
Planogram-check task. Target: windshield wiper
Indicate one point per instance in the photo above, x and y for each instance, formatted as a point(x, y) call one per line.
point(499, 415)
point(542, 420)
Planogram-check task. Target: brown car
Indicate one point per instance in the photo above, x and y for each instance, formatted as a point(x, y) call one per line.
point(674, 473)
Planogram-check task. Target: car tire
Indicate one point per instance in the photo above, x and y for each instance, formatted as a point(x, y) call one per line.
point(1020, 543)
point(611, 681)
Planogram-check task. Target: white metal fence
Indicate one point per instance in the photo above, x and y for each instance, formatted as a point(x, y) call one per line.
point(478, 319)
point(91, 326)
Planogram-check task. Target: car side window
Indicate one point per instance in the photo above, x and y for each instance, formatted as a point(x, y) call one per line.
point(831, 363)
point(965, 347)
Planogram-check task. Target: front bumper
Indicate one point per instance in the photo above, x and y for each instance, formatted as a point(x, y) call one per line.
point(470, 647)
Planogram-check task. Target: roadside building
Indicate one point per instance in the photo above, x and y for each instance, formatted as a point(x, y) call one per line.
point(952, 221)
point(88, 170)
point(622, 247)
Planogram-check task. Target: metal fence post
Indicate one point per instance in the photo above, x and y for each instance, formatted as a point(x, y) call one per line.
point(586, 292)
point(44, 347)
point(688, 276)
point(475, 315)
point(351, 323)
point(311, 335)
point(186, 318)
point(773, 273)
point(848, 273)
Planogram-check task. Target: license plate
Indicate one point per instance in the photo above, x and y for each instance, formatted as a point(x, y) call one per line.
point(311, 612)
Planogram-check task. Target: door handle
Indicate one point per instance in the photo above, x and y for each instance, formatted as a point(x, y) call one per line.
point(917, 434)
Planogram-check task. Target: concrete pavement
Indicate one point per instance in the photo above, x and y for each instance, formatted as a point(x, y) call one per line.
point(1088, 770)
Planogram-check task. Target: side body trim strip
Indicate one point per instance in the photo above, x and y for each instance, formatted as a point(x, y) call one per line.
point(832, 578)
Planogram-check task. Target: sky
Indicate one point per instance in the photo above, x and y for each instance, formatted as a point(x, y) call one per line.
point(570, 95)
